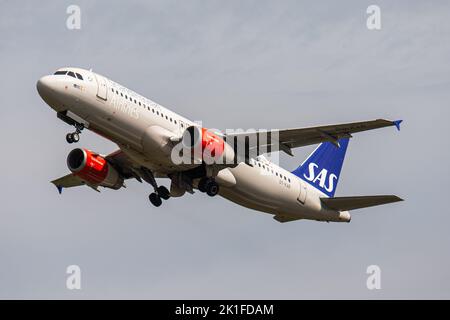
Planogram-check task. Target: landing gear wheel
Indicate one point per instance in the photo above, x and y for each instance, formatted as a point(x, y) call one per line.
point(75, 137)
point(202, 184)
point(155, 199)
point(212, 188)
point(69, 138)
point(163, 192)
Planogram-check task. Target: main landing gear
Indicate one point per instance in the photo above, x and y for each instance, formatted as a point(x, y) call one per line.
point(208, 185)
point(74, 137)
point(161, 192)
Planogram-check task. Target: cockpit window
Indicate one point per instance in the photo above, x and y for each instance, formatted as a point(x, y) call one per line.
point(69, 73)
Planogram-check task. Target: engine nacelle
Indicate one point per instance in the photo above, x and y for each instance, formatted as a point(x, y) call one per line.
point(93, 168)
point(212, 147)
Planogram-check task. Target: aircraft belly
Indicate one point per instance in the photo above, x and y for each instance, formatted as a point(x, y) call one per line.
point(256, 190)
point(237, 197)
point(254, 187)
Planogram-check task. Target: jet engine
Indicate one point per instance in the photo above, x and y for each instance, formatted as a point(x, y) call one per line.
point(209, 146)
point(93, 169)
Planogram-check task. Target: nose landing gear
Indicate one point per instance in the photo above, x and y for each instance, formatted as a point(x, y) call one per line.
point(74, 137)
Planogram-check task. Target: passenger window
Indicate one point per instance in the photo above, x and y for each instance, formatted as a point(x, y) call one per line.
point(157, 113)
point(126, 97)
point(175, 121)
point(121, 94)
point(139, 103)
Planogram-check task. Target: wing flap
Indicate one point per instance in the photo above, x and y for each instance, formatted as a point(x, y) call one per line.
point(352, 203)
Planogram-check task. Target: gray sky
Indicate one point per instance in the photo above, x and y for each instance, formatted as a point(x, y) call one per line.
point(231, 64)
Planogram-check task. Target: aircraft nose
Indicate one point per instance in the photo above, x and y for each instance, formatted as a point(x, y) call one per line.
point(44, 86)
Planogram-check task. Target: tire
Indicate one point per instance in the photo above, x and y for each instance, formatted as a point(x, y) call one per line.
point(155, 199)
point(212, 188)
point(163, 192)
point(69, 138)
point(75, 137)
point(202, 184)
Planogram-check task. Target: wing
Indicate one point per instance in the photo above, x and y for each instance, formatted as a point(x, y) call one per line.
point(123, 164)
point(68, 181)
point(286, 139)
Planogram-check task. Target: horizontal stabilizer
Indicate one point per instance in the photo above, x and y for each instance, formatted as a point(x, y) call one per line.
point(352, 203)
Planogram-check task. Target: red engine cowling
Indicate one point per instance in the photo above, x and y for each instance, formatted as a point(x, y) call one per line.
point(93, 168)
point(208, 146)
point(211, 144)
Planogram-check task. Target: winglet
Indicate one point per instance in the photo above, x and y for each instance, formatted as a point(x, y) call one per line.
point(397, 124)
point(60, 188)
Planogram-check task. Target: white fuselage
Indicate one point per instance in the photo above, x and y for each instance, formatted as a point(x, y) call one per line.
point(143, 128)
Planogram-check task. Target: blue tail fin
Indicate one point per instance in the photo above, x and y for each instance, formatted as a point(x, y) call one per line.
point(323, 167)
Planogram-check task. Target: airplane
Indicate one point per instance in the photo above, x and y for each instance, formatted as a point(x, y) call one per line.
point(151, 140)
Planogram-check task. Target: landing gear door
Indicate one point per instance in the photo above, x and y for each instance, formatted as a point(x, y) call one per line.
point(303, 191)
point(102, 87)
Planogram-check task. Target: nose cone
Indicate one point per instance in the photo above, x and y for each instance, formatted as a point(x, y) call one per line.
point(44, 87)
